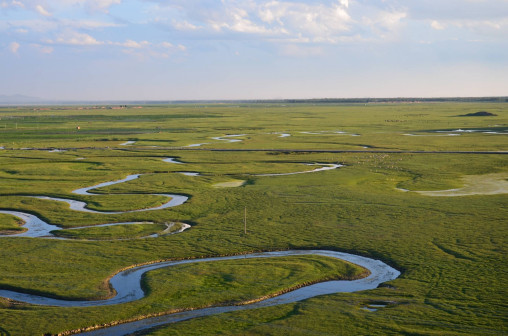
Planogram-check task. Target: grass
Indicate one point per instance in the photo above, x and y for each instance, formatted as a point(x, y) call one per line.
point(10, 224)
point(224, 282)
point(451, 250)
point(489, 184)
point(126, 231)
point(230, 184)
point(237, 281)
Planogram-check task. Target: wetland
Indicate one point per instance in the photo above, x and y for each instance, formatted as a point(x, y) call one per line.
point(310, 181)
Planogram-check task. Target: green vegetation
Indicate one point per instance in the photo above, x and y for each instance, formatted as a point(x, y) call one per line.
point(230, 184)
point(236, 281)
point(125, 231)
point(451, 250)
point(10, 224)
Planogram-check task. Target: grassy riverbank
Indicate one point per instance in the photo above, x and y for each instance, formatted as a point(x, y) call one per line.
point(451, 250)
point(10, 224)
point(125, 231)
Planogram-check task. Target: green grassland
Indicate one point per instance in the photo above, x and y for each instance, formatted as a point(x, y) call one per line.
point(122, 231)
point(451, 250)
point(10, 224)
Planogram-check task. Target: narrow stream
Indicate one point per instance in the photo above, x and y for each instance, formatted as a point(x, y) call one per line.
point(37, 228)
point(326, 166)
point(175, 200)
point(127, 284)
point(224, 138)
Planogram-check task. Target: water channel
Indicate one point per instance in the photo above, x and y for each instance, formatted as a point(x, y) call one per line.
point(127, 283)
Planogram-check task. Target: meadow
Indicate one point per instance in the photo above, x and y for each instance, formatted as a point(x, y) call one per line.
point(451, 250)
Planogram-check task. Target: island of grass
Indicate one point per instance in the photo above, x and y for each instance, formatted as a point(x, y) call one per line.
point(10, 224)
point(479, 114)
point(241, 281)
point(188, 287)
point(489, 184)
point(230, 184)
point(121, 231)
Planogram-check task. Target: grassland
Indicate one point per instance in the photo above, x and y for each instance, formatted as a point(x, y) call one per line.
point(451, 250)
point(125, 231)
point(10, 224)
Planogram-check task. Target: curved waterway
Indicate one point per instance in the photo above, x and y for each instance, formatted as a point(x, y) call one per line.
point(175, 200)
point(172, 160)
point(225, 137)
point(37, 228)
point(380, 272)
point(127, 285)
point(325, 166)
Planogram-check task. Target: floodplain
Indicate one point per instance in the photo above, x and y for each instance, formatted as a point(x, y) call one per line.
point(419, 186)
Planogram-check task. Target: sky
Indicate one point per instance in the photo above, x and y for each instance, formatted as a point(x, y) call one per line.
point(246, 49)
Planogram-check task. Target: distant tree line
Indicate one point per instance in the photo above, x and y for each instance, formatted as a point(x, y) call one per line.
point(386, 100)
point(342, 100)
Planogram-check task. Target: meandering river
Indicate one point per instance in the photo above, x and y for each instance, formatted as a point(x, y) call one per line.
point(174, 199)
point(127, 283)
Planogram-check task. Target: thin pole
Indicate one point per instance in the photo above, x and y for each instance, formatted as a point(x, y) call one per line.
point(245, 221)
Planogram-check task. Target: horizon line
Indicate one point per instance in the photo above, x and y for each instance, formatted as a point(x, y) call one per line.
point(40, 101)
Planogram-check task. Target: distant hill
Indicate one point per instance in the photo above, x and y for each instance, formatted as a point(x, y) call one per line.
point(19, 99)
point(479, 114)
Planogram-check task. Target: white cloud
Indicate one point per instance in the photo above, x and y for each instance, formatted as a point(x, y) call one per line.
point(166, 45)
point(292, 21)
point(96, 5)
point(75, 38)
point(278, 22)
point(87, 24)
point(43, 49)
point(131, 44)
point(316, 21)
point(391, 20)
point(13, 3)
point(79, 39)
point(38, 26)
point(437, 25)
point(13, 47)
point(475, 29)
point(487, 19)
point(55, 24)
point(46, 50)
point(185, 26)
point(150, 50)
point(40, 5)
point(487, 28)
point(455, 9)
point(100, 5)
point(382, 25)
point(41, 10)
point(236, 19)
point(142, 49)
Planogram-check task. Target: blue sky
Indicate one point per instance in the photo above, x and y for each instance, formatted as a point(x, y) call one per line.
point(246, 49)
